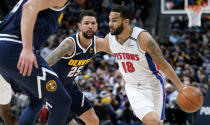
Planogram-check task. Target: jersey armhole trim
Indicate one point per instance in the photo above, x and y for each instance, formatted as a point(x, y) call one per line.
point(139, 47)
point(75, 47)
point(60, 9)
point(95, 45)
point(109, 41)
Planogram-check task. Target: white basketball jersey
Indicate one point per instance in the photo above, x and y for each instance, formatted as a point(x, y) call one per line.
point(136, 65)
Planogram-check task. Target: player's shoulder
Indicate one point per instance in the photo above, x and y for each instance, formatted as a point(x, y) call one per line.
point(143, 35)
point(137, 31)
point(144, 38)
point(138, 28)
point(70, 40)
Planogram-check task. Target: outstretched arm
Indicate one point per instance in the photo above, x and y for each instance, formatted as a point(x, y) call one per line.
point(102, 45)
point(66, 47)
point(148, 44)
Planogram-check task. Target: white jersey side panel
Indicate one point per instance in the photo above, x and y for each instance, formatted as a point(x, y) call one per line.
point(136, 66)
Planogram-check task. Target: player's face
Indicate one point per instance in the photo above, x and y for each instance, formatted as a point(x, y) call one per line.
point(115, 23)
point(88, 26)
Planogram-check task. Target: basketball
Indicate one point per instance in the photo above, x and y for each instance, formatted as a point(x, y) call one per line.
point(189, 99)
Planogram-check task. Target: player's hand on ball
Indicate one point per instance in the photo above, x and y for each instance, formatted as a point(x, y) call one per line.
point(190, 99)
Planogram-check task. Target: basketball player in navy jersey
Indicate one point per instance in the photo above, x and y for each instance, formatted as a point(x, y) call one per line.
point(140, 58)
point(22, 31)
point(72, 64)
point(69, 66)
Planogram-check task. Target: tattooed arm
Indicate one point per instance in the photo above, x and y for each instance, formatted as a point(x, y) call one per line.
point(149, 45)
point(66, 47)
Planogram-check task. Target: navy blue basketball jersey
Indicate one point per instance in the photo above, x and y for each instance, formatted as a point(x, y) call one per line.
point(69, 67)
point(45, 25)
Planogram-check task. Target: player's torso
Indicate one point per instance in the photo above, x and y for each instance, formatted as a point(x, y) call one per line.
point(136, 66)
point(68, 68)
point(46, 23)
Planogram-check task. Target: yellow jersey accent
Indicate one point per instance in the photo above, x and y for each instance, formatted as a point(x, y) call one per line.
point(60, 18)
point(91, 50)
point(51, 86)
point(199, 2)
point(78, 62)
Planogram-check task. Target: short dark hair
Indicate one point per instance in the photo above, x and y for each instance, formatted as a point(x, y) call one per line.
point(87, 13)
point(124, 11)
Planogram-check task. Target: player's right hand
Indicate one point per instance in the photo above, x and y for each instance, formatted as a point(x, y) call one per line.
point(26, 61)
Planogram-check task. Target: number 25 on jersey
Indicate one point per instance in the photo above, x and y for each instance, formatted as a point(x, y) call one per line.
point(75, 71)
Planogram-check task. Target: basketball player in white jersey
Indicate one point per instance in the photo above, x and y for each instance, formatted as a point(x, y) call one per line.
point(139, 58)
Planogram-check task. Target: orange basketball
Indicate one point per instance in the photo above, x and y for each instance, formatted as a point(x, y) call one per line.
point(190, 99)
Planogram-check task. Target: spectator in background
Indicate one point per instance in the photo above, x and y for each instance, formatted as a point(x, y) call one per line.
point(174, 37)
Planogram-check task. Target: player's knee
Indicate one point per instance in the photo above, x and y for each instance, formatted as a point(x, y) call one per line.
point(151, 119)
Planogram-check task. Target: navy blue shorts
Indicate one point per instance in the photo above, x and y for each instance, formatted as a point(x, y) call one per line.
point(43, 82)
point(80, 104)
point(15, 87)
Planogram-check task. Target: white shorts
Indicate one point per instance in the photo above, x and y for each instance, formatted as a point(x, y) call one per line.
point(5, 91)
point(146, 98)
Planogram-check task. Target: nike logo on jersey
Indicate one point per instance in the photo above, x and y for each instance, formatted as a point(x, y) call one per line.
point(130, 45)
point(78, 53)
point(78, 62)
point(128, 56)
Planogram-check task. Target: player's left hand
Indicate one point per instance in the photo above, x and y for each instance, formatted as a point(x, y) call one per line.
point(26, 61)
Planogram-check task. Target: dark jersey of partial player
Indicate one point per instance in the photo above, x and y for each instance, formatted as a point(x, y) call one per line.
point(46, 23)
point(69, 67)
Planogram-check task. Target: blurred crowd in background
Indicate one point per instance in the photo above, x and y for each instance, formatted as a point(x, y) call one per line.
point(186, 49)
